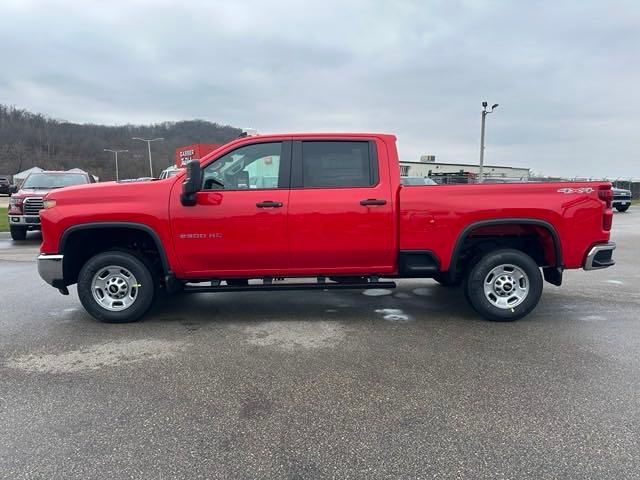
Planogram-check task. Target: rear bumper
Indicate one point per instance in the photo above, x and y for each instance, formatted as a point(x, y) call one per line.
point(600, 256)
point(50, 269)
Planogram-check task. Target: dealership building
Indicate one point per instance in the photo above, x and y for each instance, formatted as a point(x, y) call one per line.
point(459, 172)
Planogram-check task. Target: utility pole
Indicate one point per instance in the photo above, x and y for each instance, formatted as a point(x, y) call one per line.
point(149, 149)
point(115, 152)
point(485, 112)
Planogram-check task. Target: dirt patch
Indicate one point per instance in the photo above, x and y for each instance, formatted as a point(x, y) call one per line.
point(295, 335)
point(95, 357)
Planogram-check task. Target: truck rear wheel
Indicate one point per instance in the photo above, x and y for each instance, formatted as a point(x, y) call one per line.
point(116, 287)
point(18, 233)
point(504, 285)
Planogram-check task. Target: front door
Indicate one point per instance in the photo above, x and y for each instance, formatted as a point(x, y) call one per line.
point(239, 225)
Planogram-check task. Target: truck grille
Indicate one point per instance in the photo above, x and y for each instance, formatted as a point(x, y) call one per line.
point(32, 206)
point(622, 196)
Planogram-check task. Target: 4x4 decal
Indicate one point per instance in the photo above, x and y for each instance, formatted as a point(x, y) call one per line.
point(576, 190)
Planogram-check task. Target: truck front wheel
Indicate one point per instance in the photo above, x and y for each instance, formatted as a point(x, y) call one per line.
point(116, 287)
point(18, 233)
point(504, 285)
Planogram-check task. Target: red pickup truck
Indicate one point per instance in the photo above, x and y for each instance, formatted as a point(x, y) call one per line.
point(326, 207)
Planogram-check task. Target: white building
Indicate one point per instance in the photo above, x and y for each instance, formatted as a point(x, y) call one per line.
point(428, 167)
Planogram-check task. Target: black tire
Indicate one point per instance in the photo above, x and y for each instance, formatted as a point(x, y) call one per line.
point(623, 209)
point(18, 233)
point(474, 285)
point(145, 294)
point(445, 280)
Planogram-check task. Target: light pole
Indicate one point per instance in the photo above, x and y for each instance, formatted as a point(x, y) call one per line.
point(485, 112)
point(149, 148)
point(115, 152)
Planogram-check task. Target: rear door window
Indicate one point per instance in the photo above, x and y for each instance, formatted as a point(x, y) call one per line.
point(336, 164)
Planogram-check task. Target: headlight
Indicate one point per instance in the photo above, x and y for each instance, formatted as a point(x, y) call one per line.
point(49, 203)
point(15, 201)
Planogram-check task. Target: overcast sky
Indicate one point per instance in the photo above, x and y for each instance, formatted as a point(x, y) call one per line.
point(565, 73)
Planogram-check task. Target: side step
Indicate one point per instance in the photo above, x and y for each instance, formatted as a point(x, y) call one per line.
point(289, 286)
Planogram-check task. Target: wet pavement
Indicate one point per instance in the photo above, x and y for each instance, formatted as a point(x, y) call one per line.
point(405, 383)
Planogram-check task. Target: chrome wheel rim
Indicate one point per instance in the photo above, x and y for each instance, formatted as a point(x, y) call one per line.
point(114, 288)
point(506, 286)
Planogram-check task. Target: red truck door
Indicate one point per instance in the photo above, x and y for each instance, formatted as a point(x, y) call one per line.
point(340, 208)
point(239, 224)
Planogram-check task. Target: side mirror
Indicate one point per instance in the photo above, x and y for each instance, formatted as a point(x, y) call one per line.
point(191, 184)
point(13, 189)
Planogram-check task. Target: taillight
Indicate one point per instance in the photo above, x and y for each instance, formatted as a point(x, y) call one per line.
point(606, 195)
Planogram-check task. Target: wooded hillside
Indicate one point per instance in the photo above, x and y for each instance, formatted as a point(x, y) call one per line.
point(30, 139)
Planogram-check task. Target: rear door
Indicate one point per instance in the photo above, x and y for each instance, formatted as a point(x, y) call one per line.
point(340, 208)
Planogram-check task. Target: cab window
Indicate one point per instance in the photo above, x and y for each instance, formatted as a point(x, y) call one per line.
point(254, 166)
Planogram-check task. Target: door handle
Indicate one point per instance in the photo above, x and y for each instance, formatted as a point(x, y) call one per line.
point(268, 204)
point(372, 201)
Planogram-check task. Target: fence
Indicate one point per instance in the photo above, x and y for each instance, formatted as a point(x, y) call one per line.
point(469, 177)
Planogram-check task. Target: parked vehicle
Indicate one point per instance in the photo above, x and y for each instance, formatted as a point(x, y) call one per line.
point(169, 172)
point(337, 215)
point(621, 199)
point(26, 203)
point(6, 188)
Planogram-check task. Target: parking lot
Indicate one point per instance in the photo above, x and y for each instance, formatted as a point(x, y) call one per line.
point(407, 383)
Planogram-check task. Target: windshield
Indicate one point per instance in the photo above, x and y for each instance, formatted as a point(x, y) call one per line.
point(54, 180)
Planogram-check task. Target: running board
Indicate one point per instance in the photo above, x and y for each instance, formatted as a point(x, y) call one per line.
point(289, 286)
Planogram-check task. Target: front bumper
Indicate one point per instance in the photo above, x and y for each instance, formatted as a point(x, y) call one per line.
point(50, 269)
point(30, 221)
point(600, 256)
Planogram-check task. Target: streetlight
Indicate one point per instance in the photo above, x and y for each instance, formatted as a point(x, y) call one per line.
point(149, 147)
point(485, 112)
point(116, 156)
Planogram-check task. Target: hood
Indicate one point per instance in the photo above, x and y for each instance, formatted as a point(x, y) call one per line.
point(32, 192)
point(106, 191)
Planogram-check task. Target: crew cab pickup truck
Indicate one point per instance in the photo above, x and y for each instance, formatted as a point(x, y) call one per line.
point(329, 208)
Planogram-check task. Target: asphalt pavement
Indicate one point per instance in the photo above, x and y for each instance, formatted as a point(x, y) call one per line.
point(408, 383)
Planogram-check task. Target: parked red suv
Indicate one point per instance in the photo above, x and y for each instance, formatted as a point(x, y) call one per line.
point(26, 203)
point(328, 207)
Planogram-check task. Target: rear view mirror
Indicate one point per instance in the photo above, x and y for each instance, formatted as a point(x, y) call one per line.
point(191, 184)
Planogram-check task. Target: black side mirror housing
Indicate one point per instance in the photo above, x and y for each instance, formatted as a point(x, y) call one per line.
point(191, 184)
